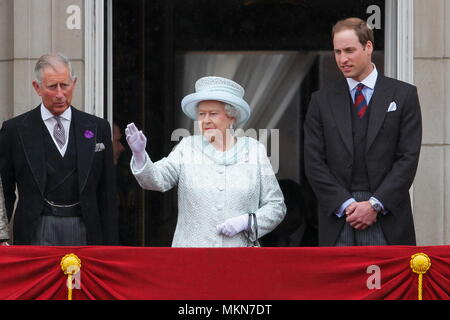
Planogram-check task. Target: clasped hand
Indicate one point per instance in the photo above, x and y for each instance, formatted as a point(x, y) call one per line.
point(360, 215)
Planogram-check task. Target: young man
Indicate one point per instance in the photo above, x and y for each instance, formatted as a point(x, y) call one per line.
point(362, 142)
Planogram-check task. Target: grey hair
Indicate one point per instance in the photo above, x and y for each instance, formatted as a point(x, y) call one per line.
point(48, 61)
point(232, 112)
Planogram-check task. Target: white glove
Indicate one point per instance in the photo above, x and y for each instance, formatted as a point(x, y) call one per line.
point(233, 226)
point(4, 243)
point(137, 142)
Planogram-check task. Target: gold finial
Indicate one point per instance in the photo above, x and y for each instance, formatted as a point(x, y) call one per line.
point(70, 265)
point(420, 263)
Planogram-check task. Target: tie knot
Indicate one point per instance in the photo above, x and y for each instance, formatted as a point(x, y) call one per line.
point(58, 119)
point(359, 87)
point(59, 132)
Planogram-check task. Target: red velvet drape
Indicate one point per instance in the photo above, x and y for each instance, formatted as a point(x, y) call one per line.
point(222, 273)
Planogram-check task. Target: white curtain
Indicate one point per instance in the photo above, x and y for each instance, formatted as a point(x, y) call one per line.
point(270, 80)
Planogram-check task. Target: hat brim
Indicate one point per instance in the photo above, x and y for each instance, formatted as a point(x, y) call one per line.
point(190, 102)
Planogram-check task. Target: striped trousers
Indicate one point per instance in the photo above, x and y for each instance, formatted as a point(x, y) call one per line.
point(372, 236)
point(60, 231)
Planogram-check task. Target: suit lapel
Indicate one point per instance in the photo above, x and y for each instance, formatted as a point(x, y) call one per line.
point(31, 136)
point(340, 106)
point(381, 98)
point(85, 138)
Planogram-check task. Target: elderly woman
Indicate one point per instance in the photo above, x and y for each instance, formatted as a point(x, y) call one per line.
point(3, 220)
point(224, 182)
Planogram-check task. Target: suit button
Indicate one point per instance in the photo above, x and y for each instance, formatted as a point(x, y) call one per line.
point(220, 188)
point(219, 208)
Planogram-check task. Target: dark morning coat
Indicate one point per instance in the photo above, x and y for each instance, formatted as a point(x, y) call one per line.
point(22, 160)
point(392, 154)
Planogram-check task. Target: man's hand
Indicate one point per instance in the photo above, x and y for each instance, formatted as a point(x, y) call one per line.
point(350, 209)
point(362, 216)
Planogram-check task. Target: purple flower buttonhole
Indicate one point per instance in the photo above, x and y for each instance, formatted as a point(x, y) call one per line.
point(88, 134)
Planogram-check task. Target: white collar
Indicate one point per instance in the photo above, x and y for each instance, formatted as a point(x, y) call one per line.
point(369, 81)
point(228, 157)
point(45, 114)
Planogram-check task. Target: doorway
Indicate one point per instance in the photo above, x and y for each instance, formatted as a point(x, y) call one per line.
point(279, 50)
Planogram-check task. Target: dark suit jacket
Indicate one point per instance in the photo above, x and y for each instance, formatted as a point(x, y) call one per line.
point(392, 154)
point(22, 160)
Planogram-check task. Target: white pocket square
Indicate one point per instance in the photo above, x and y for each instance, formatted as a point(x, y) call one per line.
point(99, 147)
point(392, 107)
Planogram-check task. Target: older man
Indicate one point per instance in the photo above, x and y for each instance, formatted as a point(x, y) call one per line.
point(60, 160)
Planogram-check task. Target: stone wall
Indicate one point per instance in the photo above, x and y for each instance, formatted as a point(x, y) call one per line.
point(28, 29)
point(432, 77)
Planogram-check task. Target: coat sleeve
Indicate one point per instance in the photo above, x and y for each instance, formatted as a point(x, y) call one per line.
point(162, 175)
point(107, 194)
point(4, 234)
point(330, 193)
point(7, 169)
point(272, 208)
point(401, 176)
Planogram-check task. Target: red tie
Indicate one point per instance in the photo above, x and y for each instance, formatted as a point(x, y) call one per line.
point(360, 102)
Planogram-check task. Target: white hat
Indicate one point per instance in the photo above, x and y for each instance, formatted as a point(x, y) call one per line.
point(218, 89)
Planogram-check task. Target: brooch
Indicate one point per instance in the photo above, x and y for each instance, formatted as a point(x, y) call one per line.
point(88, 134)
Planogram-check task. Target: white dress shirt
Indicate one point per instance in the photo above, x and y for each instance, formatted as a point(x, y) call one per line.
point(369, 85)
point(50, 123)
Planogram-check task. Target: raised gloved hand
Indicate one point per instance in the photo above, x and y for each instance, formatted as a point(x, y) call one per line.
point(233, 226)
point(137, 142)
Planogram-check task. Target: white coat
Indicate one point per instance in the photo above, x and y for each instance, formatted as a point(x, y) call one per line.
point(214, 186)
point(4, 235)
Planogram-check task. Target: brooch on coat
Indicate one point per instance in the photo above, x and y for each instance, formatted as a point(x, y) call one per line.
point(88, 134)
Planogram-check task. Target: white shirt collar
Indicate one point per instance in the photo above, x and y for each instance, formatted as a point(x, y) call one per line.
point(369, 81)
point(45, 114)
